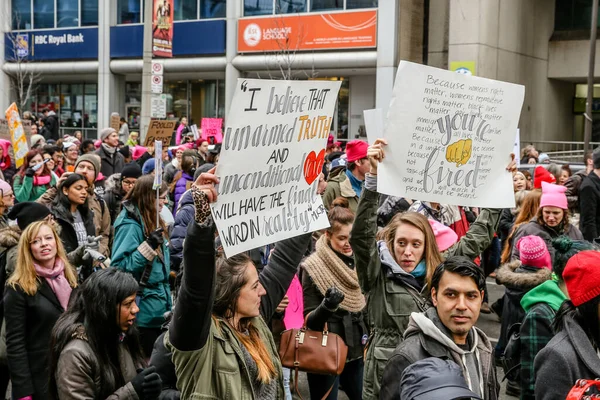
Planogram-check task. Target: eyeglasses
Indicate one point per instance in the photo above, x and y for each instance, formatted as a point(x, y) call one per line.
point(128, 183)
point(163, 197)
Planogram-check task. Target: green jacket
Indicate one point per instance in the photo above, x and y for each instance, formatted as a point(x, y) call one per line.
point(390, 302)
point(26, 191)
point(218, 370)
point(131, 254)
point(340, 186)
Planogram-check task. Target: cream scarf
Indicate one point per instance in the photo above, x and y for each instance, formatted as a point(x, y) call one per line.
point(327, 270)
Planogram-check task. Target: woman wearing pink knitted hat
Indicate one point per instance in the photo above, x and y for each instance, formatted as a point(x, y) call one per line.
point(7, 200)
point(551, 221)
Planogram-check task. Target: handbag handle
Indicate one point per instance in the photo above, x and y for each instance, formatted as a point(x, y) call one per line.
point(304, 327)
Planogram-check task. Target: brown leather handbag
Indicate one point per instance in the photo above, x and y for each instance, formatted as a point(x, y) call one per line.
point(312, 351)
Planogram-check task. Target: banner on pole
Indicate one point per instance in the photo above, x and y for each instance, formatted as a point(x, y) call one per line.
point(160, 130)
point(212, 130)
point(162, 28)
point(158, 146)
point(449, 138)
point(17, 134)
point(272, 154)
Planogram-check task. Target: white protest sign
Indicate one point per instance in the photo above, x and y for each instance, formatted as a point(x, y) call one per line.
point(373, 124)
point(272, 153)
point(449, 138)
point(517, 148)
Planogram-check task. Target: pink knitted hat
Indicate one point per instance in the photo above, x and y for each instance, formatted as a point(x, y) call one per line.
point(553, 196)
point(533, 252)
point(444, 236)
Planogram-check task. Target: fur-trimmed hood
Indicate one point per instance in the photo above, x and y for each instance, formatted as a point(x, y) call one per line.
point(512, 274)
point(9, 236)
point(112, 183)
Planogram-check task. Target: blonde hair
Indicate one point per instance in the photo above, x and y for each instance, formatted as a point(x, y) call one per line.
point(25, 275)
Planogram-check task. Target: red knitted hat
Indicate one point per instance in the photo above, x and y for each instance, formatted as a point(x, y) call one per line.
point(540, 175)
point(582, 276)
point(533, 252)
point(356, 149)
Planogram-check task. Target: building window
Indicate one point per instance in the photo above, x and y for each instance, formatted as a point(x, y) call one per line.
point(185, 9)
point(213, 8)
point(573, 15)
point(269, 7)
point(129, 12)
point(48, 14)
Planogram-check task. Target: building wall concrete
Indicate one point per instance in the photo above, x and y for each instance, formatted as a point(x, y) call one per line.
point(439, 23)
point(509, 41)
point(361, 97)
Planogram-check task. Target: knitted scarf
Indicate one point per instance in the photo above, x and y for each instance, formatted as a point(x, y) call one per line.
point(327, 270)
point(109, 149)
point(57, 281)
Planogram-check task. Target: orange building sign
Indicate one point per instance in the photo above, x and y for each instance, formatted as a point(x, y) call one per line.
point(348, 30)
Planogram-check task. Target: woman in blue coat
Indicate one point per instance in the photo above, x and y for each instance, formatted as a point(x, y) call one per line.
point(141, 248)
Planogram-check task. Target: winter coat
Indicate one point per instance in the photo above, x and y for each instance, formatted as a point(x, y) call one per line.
point(391, 206)
point(170, 171)
point(589, 200)
point(182, 185)
point(100, 214)
point(426, 337)
point(540, 305)
point(29, 323)
point(78, 371)
point(184, 216)
point(65, 220)
point(339, 185)
point(507, 220)
point(110, 163)
point(26, 191)
point(161, 359)
point(573, 185)
point(51, 123)
point(518, 281)
point(389, 301)
point(569, 356)
point(535, 228)
point(131, 253)
point(113, 196)
point(9, 239)
point(206, 352)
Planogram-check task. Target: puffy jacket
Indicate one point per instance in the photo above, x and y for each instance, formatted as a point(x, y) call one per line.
point(78, 371)
point(540, 305)
point(569, 356)
point(535, 228)
point(182, 185)
point(26, 191)
point(427, 337)
point(184, 216)
point(390, 302)
point(131, 254)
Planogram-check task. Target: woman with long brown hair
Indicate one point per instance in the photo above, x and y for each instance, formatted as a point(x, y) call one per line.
point(140, 248)
point(528, 210)
point(219, 336)
point(36, 294)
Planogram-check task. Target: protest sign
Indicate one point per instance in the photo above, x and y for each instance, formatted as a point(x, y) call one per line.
point(212, 130)
point(115, 121)
point(160, 130)
point(195, 132)
point(517, 148)
point(373, 124)
point(449, 138)
point(272, 153)
point(17, 134)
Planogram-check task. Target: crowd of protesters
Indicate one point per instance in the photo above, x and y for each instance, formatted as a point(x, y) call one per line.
point(103, 300)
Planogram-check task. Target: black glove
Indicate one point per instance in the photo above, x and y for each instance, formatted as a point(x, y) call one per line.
point(155, 238)
point(147, 384)
point(333, 298)
point(30, 172)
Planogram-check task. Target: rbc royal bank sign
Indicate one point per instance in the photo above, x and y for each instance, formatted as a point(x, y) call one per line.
point(56, 44)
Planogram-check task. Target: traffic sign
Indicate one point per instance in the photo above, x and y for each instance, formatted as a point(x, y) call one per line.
point(158, 106)
point(156, 84)
point(157, 68)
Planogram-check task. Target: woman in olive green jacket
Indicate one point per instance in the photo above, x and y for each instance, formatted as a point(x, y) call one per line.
point(392, 272)
point(219, 337)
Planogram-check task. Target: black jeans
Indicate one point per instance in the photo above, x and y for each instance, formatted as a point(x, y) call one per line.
point(351, 380)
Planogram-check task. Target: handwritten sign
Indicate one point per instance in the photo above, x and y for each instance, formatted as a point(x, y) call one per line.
point(115, 121)
point(17, 134)
point(212, 130)
point(449, 138)
point(272, 153)
point(373, 124)
point(160, 130)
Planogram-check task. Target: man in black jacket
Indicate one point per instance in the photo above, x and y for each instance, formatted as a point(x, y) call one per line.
point(448, 331)
point(112, 161)
point(589, 201)
point(51, 124)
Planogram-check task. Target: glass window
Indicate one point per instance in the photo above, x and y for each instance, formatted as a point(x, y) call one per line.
point(213, 8)
point(90, 106)
point(572, 15)
point(44, 14)
point(67, 13)
point(89, 12)
point(133, 96)
point(258, 7)
point(351, 4)
point(324, 5)
point(129, 11)
point(177, 99)
point(185, 9)
point(21, 13)
point(221, 99)
point(290, 6)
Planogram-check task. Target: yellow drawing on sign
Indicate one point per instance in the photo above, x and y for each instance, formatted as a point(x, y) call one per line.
point(459, 152)
point(17, 134)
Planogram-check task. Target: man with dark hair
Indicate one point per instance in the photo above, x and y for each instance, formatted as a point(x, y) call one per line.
point(589, 201)
point(574, 182)
point(448, 331)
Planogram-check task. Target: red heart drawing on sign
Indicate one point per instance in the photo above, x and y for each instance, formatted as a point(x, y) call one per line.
point(313, 166)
